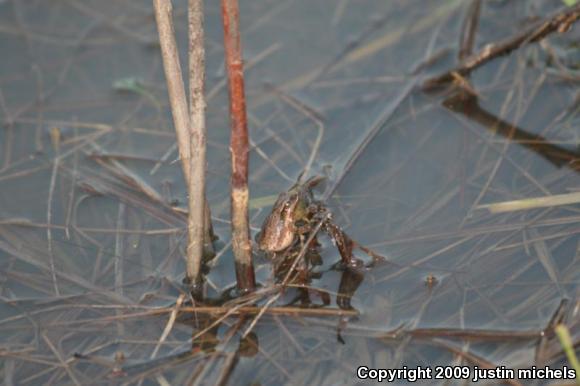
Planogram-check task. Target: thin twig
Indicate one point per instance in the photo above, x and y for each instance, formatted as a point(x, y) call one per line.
point(169, 325)
point(474, 334)
point(557, 22)
point(59, 357)
point(468, 30)
point(119, 252)
point(55, 167)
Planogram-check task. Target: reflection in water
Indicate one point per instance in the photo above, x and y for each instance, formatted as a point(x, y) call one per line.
point(350, 280)
point(210, 361)
point(467, 105)
point(304, 274)
point(124, 369)
point(490, 282)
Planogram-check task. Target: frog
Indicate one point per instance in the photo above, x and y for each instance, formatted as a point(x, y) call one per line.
point(290, 218)
point(293, 217)
point(289, 239)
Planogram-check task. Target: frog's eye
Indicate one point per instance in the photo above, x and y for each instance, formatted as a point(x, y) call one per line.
point(300, 223)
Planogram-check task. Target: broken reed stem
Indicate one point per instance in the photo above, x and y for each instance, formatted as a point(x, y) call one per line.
point(181, 120)
point(174, 79)
point(560, 22)
point(239, 147)
point(197, 143)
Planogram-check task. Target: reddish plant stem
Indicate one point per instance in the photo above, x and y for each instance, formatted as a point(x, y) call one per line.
point(239, 147)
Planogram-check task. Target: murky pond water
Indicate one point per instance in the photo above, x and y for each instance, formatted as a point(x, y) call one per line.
point(92, 226)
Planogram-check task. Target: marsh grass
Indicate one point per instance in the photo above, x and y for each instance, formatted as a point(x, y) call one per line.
point(462, 286)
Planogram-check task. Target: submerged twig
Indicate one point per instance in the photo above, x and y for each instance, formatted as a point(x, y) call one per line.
point(119, 256)
point(474, 334)
point(169, 325)
point(558, 22)
point(469, 29)
point(55, 167)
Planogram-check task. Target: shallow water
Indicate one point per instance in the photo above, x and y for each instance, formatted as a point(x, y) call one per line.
point(86, 258)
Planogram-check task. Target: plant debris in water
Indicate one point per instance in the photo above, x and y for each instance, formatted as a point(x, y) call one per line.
point(91, 251)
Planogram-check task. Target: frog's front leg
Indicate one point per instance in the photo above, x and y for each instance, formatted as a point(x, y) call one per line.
point(344, 244)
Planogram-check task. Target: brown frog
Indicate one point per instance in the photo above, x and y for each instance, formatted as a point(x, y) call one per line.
point(290, 218)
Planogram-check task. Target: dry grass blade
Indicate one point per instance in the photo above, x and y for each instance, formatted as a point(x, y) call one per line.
point(532, 203)
point(263, 309)
point(568, 346)
point(169, 325)
point(119, 258)
point(64, 364)
point(546, 259)
point(55, 167)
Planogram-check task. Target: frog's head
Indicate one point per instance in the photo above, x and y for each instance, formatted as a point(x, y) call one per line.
point(279, 229)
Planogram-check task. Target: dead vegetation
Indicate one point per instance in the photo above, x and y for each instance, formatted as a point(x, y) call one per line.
point(92, 219)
